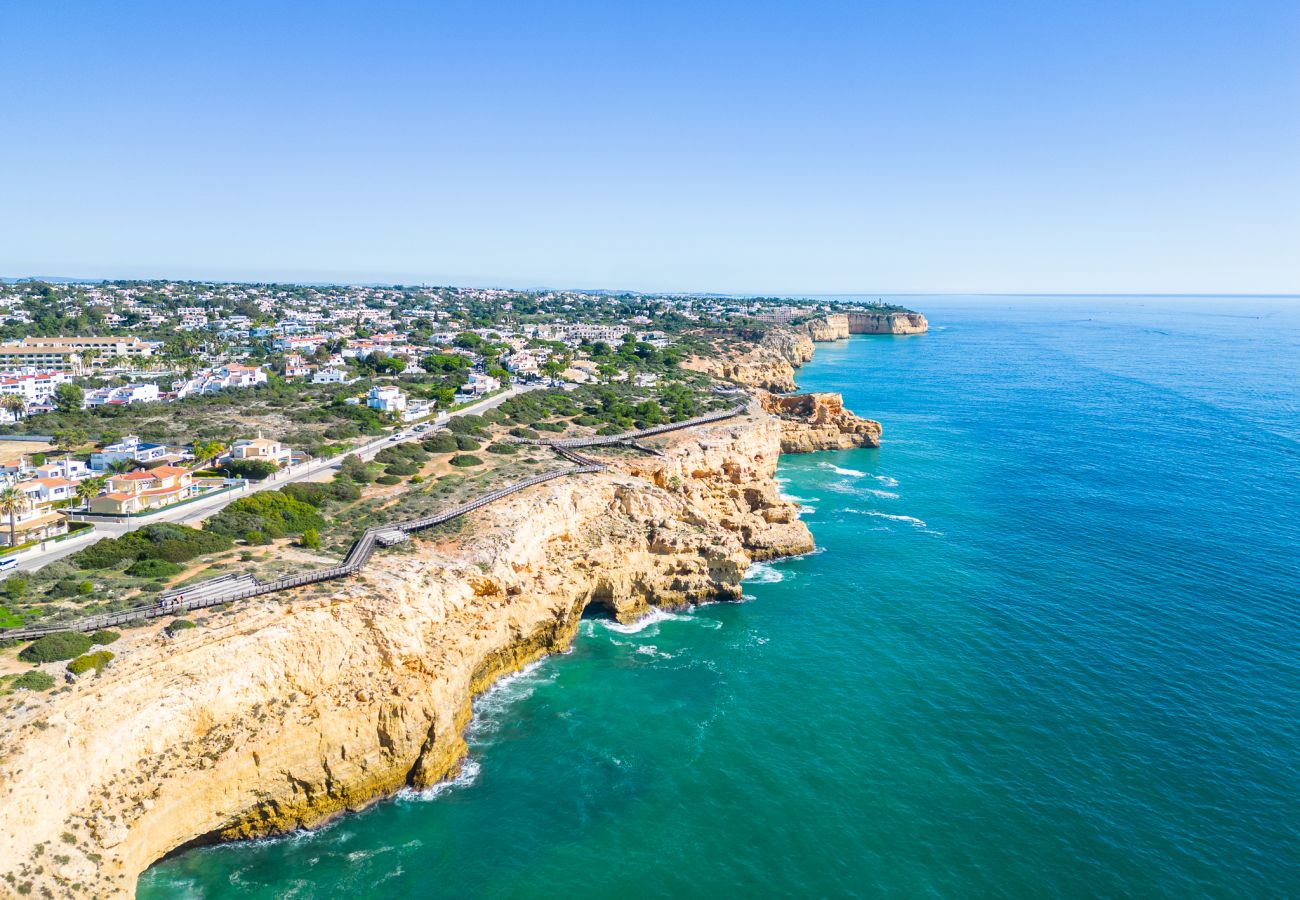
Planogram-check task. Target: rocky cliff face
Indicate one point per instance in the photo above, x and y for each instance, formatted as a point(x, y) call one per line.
point(770, 365)
point(811, 422)
point(838, 326)
point(280, 713)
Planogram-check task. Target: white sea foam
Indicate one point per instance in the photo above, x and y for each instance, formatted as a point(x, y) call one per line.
point(884, 495)
point(653, 617)
point(887, 481)
point(763, 573)
point(807, 509)
point(911, 520)
point(840, 470)
point(468, 774)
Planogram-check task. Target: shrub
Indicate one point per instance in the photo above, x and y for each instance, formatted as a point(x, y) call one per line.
point(273, 513)
point(311, 539)
point(551, 426)
point(246, 556)
point(15, 586)
point(177, 625)
point(417, 479)
point(442, 442)
point(256, 538)
point(252, 469)
point(354, 469)
point(402, 468)
point(503, 449)
point(153, 568)
point(85, 588)
point(467, 424)
point(465, 460)
point(34, 681)
point(96, 661)
point(57, 646)
point(465, 442)
point(521, 432)
point(104, 637)
point(388, 479)
point(174, 543)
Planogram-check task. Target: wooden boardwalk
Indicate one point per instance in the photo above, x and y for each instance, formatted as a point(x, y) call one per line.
point(232, 587)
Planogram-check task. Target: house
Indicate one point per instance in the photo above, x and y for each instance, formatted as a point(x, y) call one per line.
point(72, 469)
point(479, 384)
point(136, 492)
point(129, 449)
point(121, 396)
point(219, 379)
point(386, 399)
point(36, 521)
point(264, 449)
point(331, 375)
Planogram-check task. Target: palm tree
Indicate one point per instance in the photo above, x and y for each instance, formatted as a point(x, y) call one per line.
point(12, 502)
point(89, 489)
point(14, 404)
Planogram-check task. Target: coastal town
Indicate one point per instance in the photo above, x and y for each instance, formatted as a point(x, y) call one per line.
point(176, 458)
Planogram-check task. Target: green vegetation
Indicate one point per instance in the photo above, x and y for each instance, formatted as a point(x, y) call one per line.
point(465, 442)
point(465, 460)
point(54, 647)
point(154, 568)
point(33, 681)
point(252, 469)
point(273, 513)
point(178, 625)
point(311, 539)
point(163, 541)
point(319, 494)
point(388, 480)
point(503, 449)
point(442, 442)
point(103, 637)
point(96, 661)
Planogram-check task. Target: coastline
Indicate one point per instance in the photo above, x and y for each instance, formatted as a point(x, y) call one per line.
point(277, 716)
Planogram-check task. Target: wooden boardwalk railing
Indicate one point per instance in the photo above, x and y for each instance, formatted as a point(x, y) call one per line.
point(632, 436)
point(235, 586)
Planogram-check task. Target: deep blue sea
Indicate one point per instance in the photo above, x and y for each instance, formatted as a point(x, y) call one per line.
point(1049, 646)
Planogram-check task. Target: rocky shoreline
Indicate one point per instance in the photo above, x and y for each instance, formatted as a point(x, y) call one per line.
point(281, 713)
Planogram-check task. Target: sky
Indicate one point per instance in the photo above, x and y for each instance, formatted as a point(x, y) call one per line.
point(799, 147)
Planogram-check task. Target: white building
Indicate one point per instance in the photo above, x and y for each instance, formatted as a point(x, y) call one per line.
point(121, 396)
point(125, 450)
point(386, 399)
point(330, 375)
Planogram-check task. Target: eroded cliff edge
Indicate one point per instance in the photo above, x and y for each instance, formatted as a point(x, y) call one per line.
point(838, 326)
point(281, 713)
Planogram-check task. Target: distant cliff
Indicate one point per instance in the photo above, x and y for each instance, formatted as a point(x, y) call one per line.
point(838, 326)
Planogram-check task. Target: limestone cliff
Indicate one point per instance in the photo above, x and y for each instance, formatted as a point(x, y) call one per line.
point(838, 326)
point(282, 712)
point(769, 365)
point(811, 422)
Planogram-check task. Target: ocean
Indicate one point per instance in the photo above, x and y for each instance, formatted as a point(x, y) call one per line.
point(1048, 646)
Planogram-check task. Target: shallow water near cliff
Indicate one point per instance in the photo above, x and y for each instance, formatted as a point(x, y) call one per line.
point(1049, 649)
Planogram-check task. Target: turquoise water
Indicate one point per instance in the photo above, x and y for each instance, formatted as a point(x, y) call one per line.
point(1048, 647)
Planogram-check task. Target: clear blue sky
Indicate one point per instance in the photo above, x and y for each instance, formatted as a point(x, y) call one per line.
point(746, 147)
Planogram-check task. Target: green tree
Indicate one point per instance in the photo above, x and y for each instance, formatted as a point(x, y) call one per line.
point(89, 489)
point(13, 404)
point(311, 539)
point(68, 398)
point(13, 503)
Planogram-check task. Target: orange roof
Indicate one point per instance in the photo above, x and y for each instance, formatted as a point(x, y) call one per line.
point(50, 482)
point(164, 471)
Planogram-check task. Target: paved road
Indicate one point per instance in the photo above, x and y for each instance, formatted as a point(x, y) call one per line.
point(195, 512)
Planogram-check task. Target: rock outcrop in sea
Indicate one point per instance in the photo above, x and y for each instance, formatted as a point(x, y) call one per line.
point(812, 422)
